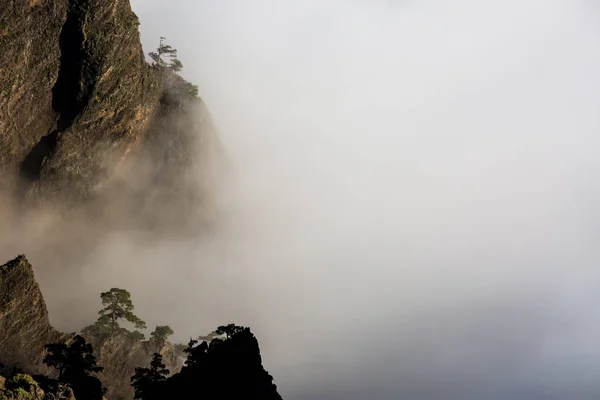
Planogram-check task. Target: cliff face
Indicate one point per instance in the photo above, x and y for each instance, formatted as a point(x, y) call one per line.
point(29, 67)
point(74, 89)
point(90, 128)
point(24, 324)
point(25, 329)
point(93, 137)
point(120, 355)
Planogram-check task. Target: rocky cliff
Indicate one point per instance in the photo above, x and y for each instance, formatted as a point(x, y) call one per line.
point(76, 97)
point(120, 355)
point(25, 329)
point(94, 139)
point(90, 130)
point(24, 324)
point(74, 87)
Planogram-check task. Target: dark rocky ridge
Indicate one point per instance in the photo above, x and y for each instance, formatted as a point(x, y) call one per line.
point(25, 329)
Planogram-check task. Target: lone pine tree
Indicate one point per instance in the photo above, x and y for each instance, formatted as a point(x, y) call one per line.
point(117, 307)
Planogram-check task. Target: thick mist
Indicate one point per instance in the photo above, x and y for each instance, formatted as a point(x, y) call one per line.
point(411, 205)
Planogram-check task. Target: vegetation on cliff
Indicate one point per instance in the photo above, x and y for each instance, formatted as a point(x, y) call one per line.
point(229, 367)
point(176, 89)
point(117, 306)
point(20, 386)
point(161, 333)
point(76, 366)
point(227, 361)
point(77, 98)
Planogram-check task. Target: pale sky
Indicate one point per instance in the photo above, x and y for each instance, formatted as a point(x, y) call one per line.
point(415, 210)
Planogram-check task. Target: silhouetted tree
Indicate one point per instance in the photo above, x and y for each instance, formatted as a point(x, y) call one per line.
point(67, 358)
point(166, 51)
point(176, 90)
point(194, 352)
point(229, 368)
point(148, 382)
point(75, 362)
point(229, 330)
point(161, 333)
point(117, 306)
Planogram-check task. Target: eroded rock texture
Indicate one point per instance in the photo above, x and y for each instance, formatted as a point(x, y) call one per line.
point(74, 88)
point(24, 324)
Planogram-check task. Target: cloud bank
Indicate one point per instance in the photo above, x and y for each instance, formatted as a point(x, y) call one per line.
point(413, 207)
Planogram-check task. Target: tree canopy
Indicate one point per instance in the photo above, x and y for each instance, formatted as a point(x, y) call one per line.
point(165, 57)
point(75, 364)
point(175, 87)
point(71, 358)
point(147, 381)
point(161, 333)
point(117, 307)
point(229, 330)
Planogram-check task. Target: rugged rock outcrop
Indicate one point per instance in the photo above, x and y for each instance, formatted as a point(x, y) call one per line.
point(24, 324)
point(120, 355)
point(88, 127)
point(25, 329)
point(92, 137)
point(74, 88)
point(227, 368)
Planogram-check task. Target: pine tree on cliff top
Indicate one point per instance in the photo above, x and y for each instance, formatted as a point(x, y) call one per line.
point(166, 51)
point(148, 382)
point(117, 306)
point(161, 333)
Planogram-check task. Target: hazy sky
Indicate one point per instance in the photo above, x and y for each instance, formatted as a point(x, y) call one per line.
point(415, 210)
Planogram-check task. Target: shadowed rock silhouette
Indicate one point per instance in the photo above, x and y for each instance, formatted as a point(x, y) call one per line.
point(227, 368)
point(75, 364)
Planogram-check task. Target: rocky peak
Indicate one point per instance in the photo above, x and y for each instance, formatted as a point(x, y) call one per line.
point(24, 324)
point(74, 87)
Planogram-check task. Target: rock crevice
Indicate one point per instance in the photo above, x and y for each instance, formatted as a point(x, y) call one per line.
point(74, 87)
point(71, 93)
